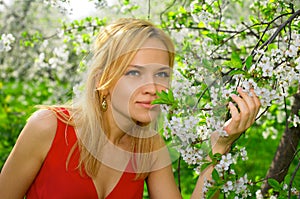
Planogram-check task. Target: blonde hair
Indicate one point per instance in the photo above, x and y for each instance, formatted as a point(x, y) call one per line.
point(113, 50)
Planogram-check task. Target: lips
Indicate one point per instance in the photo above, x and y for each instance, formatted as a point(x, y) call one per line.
point(146, 104)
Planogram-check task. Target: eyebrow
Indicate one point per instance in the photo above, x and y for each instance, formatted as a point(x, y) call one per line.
point(164, 67)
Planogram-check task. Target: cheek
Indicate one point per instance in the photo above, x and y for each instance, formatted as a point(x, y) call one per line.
point(122, 94)
point(120, 97)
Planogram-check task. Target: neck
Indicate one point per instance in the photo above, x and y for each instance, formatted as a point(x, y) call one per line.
point(119, 127)
point(116, 128)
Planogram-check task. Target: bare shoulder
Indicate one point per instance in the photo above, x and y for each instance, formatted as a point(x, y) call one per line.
point(40, 129)
point(42, 123)
point(28, 154)
point(43, 119)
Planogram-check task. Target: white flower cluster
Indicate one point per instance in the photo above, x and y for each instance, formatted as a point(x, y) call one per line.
point(81, 46)
point(81, 34)
point(283, 65)
point(259, 195)
point(62, 5)
point(52, 62)
point(192, 155)
point(6, 41)
point(203, 16)
point(182, 86)
point(180, 34)
point(294, 120)
point(184, 125)
point(206, 185)
point(185, 132)
point(60, 58)
point(185, 128)
point(266, 3)
point(266, 95)
point(294, 192)
point(271, 131)
point(239, 187)
point(225, 163)
point(128, 7)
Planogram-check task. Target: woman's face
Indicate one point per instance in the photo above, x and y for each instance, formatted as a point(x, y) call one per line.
point(148, 73)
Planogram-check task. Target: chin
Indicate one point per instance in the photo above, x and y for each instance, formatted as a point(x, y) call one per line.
point(140, 123)
point(145, 118)
point(143, 121)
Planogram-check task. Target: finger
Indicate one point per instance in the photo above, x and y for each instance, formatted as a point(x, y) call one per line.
point(234, 121)
point(251, 104)
point(256, 101)
point(244, 111)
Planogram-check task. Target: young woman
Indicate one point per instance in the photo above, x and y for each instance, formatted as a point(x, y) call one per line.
point(104, 146)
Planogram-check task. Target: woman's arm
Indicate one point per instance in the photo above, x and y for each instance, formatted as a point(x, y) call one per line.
point(161, 183)
point(240, 120)
point(28, 154)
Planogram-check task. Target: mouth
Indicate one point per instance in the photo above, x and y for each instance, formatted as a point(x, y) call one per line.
point(146, 104)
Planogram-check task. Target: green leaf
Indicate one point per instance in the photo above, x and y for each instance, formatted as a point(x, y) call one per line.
point(217, 156)
point(211, 192)
point(237, 72)
point(24, 34)
point(164, 98)
point(211, 155)
point(249, 62)
point(158, 101)
point(126, 2)
point(236, 61)
point(170, 96)
point(205, 165)
point(274, 183)
point(215, 175)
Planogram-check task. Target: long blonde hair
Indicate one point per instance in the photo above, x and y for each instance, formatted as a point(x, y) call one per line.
point(113, 50)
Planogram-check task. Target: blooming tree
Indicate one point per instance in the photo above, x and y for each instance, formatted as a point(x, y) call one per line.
point(221, 45)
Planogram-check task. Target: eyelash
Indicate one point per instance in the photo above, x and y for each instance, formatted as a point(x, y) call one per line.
point(137, 73)
point(132, 73)
point(165, 74)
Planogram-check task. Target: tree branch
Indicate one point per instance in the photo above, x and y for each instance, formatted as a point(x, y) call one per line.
point(289, 20)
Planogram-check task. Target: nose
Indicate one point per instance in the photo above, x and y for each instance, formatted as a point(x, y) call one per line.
point(149, 88)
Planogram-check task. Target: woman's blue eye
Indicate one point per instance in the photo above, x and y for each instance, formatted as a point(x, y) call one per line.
point(132, 73)
point(163, 74)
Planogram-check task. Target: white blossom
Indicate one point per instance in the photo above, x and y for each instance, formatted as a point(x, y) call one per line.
point(243, 153)
point(292, 51)
point(294, 120)
point(228, 186)
point(267, 67)
point(258, 194)
point(270, 131)
point(224, 163)
point(6, 41)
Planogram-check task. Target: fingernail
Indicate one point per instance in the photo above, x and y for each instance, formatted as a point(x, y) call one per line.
point(233, 95)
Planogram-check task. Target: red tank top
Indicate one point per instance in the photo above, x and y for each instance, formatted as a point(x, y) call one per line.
point(55, 181)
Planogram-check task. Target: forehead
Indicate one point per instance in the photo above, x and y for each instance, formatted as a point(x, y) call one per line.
point(152, 52)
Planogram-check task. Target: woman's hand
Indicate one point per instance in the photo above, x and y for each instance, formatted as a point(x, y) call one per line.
point(242, 117)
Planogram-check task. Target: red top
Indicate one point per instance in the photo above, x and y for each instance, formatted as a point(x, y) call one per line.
point(55, 181)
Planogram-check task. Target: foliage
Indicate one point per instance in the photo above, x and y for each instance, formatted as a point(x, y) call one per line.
point(221, 45)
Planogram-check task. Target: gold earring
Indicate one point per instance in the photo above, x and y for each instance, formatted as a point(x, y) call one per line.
point(104, 104)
